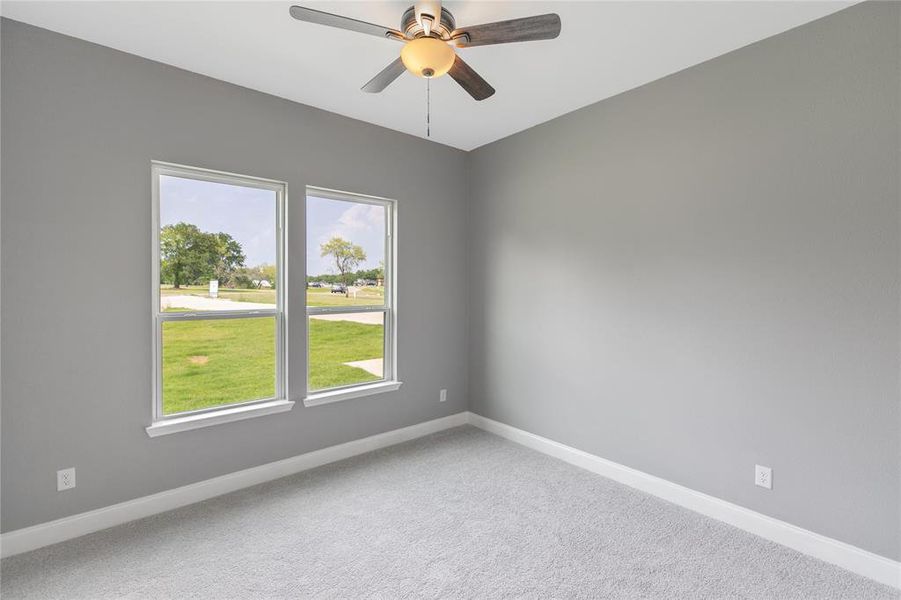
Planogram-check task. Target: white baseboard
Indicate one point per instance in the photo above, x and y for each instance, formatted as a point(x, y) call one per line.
point(852, 558)
point(849, 557)
point(44, 534)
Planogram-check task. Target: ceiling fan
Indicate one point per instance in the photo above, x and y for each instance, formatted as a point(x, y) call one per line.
point(427, 31)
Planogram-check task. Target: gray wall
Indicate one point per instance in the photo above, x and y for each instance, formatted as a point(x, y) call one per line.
point(690, 278)
point(703, 274)
point(81, 124)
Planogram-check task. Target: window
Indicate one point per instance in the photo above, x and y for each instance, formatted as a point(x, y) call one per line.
point(218, 305)
point(350, 296)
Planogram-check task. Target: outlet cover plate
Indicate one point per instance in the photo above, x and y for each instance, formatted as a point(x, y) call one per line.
point(763, 477)
point(65, 479)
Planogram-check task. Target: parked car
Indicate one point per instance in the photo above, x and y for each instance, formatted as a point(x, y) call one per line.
point(339, 289)
point(315, 284)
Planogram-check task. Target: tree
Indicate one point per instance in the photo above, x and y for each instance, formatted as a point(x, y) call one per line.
point(228, 256)
point(243, 278)
point(347, 257)
point(189, 255)
point(248, 277)
point(181, 254)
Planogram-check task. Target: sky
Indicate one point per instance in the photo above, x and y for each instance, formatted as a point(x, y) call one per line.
point(248, 215)
point(362, 224)
point(245, 213)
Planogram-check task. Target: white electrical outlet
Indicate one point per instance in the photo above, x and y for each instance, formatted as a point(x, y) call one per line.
point(763, 476)
point(65, 479)
point(443, 396)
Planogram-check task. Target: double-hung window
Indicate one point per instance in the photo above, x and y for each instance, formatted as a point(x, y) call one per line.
point(351, 314)
point(218, 298)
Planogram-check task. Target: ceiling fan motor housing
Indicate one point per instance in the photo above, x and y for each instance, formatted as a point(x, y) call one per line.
point(442, 29)
point(428, 33)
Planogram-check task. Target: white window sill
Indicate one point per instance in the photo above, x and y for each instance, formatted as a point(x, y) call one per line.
point(226, 415)
point(359, 391)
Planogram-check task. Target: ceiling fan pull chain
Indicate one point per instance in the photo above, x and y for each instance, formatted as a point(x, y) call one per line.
point(428, 107)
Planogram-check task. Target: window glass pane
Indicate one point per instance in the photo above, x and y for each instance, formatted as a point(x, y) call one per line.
point(217, 246)
point(215, 362)
point(346, 349)
point(345, 253)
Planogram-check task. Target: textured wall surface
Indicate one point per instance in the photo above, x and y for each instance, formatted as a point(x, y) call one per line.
point(703, 274)
point(81, 124)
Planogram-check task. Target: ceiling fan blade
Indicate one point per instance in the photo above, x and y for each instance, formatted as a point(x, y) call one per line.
point(385, 77)
point(469, 80)
point(319, 17)
point(540, 27)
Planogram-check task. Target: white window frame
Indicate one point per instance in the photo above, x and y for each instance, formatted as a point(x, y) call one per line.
point(163, 424)
point(390, 380)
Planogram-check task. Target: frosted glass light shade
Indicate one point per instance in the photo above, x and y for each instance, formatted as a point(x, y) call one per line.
point(427, 57)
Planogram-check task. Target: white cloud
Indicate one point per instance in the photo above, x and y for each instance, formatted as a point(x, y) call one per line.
point(356, 220)
point(362, 216)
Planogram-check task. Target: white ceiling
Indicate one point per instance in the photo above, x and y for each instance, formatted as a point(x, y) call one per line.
point(605, 48)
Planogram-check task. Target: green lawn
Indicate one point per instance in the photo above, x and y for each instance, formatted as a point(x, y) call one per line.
point(333, 343)
point(213, 362)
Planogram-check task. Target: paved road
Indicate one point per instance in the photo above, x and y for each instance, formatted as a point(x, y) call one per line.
point(206, 303)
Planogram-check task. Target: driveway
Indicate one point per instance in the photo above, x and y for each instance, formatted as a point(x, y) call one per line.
point(373, 365)
point(369, 318)
point(205, 303)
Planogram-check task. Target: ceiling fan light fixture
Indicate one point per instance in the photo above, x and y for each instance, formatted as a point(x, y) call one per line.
point(427, 57)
